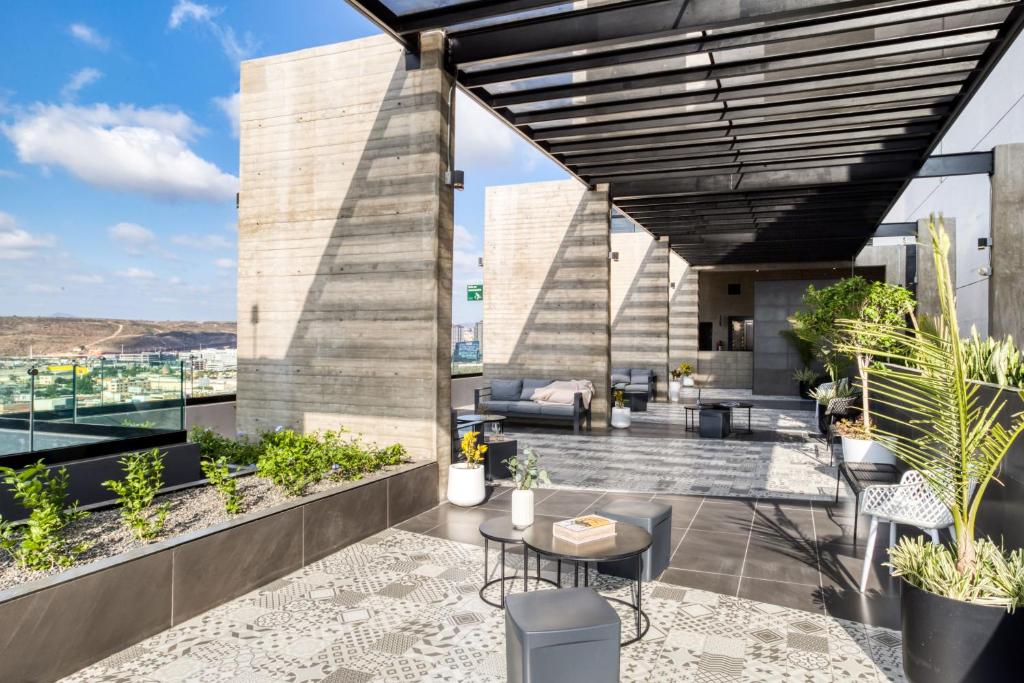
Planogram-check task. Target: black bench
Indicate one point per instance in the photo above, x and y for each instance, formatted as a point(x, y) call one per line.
point(859, 476)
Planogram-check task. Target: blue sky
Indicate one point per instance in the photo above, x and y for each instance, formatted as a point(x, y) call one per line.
point(119, 152)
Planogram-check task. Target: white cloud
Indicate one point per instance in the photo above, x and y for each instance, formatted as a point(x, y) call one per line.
point(204, 15)
point(17, 243)
point(86, 279)
point(229, 105)
point(88, 35)
point(131, 237)
point(4, 173)
point(174, 280)
point(209, 242)
point(79, 80)
point(121, 148)
point(463, 237)
point(225, 263)
point(136, 274)
point(480, 137)
point(43, 289)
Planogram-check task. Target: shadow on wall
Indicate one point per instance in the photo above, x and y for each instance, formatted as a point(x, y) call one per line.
point(683, 317)
point(640, 326)
point(364, 351)
point(566, 333)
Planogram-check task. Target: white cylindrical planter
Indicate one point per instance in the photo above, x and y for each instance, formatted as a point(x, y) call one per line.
point(466, 485)
point(673, 390)
point(866, 450)
point(620, 417)
point(687, 381)
point(522, 508)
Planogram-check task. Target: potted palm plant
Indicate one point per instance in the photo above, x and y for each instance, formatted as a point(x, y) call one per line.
point(959, 616)
point(805, 377)
point(526, 474)
point(620, 413)
point(466, 479)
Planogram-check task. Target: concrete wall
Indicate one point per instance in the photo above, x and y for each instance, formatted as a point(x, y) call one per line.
point(546, 274)
point(994, 116)
point(221, 417)
point(888, 253)
point(463, 389)
point(927, 291)
point(682, 311)
point(345, 244)
point(775, 360)
point(639, 303)
point(725, 369)
point(1006, 315)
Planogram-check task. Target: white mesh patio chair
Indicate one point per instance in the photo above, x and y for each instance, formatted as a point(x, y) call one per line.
point(910, 502)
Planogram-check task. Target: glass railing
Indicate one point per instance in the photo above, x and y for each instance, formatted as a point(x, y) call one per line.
point(55, 402)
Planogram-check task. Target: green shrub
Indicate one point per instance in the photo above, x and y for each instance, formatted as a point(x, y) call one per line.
point(212, 446)
point(143, 479)
point(41, 542)
point(220, 478)
point(291, 461)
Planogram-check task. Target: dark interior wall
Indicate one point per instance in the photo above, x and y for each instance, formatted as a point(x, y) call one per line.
point(775, 360)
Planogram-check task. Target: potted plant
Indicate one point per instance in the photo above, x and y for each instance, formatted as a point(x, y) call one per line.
point(674, 385)
point(858, 446)
point(959, 619)
point(806, 378)
point(466, 479)
point(526, 474)
point(620, 413)
point(686, 370)
point(823, 396)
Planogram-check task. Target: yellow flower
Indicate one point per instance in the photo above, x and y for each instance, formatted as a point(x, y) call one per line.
point(472, 451)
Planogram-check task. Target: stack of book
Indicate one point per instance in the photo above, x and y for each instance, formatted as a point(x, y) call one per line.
point(583, 529)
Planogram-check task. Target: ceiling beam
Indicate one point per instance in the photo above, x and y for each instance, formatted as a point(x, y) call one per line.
point(968, 163)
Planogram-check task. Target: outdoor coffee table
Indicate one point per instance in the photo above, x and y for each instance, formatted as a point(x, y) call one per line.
point(630, 541)
point(690, 417)
point(497, 420)
point(501, 531)
point(733, 405)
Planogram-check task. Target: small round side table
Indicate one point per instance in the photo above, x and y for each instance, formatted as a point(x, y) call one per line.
point(500, 530)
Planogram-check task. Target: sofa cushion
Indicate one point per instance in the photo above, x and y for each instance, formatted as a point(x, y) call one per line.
point(620, 377)
point(556, 410)
point(637, 388)
point(506, 389)
point(523, 408)
point(498, 407)
point(639, 375)
point(530, 386)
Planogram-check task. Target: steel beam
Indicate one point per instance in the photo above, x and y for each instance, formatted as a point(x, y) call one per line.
point(450, 15)
point(896, 230)
point(969, 163)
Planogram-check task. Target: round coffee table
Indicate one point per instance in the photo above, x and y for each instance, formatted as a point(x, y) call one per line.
point(733, 405)
point(501, 531)
point(629, 541)
point(497, 420)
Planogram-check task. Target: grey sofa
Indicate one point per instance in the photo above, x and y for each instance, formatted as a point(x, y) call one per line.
point(639, 384)
point(511, 398)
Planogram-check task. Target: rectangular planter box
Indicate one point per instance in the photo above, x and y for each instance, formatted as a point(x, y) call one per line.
point(55, 626)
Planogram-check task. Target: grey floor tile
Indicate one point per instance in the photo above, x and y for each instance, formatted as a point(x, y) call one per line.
point(709, 551)
point(797, 596)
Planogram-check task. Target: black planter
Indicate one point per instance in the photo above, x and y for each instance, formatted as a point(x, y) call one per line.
point(949, 641)
point(805, 390)
point(823, 419)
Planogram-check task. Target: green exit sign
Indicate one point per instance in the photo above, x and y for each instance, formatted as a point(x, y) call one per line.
point(474, 292)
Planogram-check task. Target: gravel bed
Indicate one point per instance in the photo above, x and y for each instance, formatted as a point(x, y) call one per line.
point(191, 510)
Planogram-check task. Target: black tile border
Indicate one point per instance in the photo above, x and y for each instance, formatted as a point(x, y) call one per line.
point(60, 610)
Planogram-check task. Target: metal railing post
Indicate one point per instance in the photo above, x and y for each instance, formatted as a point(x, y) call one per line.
point(33, 371)
point(181, 417)
point(74, 393)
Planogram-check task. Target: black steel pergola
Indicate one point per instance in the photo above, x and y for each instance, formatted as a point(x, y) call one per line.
point(747, 131)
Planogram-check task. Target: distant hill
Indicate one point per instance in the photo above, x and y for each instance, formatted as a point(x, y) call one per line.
point(59, 335)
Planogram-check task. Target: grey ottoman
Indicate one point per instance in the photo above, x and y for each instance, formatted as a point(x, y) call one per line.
point(567, 635)
point(655, 519)
point(715, 423)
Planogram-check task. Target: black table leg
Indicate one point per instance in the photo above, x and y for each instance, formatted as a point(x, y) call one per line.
point(538, 566)
point(559, 572)
point(586, 574)
point(576, 574)
point(639, 591)
point(485, 558)
point(502, 574)
point(526, 566)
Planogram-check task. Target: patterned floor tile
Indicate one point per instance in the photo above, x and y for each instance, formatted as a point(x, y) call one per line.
point(333, 621)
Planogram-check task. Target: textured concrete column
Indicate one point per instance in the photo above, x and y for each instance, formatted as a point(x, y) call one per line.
point(683, 314)
point(927, 290)
point(1005, 312)
point(345, 244)
point(546, 284)
point(639, 301)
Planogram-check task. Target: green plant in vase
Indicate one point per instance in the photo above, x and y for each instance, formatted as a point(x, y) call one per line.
point(958, 620)
point(526, 474)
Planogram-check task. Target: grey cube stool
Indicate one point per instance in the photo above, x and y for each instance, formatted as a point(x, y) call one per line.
point(715, 423)
point(655, 519)
point(569, 635)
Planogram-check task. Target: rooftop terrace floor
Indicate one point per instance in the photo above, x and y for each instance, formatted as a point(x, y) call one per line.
point(403, 606)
